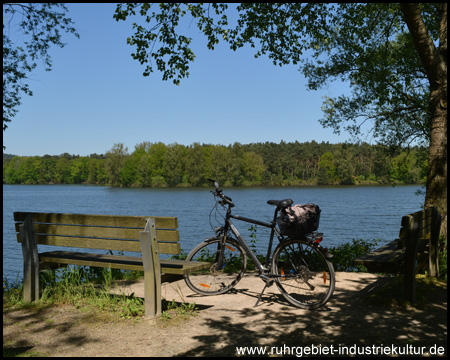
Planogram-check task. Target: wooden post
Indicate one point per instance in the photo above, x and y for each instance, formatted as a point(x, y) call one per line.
point(156, 266)
point(149, 276)
point(433, 252)
point(30, 260)
point(410, 258)
point(152, 270)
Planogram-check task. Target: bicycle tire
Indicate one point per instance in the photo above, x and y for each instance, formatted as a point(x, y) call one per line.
point(213, 281)
point(309, 276)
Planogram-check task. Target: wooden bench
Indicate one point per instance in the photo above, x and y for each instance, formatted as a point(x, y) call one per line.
point(149, 236)
point(419, 233)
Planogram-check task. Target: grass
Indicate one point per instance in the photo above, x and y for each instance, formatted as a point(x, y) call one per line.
point(178, 311)
point(80, 287)
point(87, 289)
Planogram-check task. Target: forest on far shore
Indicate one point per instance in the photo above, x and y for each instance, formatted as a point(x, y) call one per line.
point(256, 164)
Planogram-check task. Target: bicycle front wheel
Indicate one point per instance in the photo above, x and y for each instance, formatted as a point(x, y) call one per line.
point(218, 278)
point(305, 276)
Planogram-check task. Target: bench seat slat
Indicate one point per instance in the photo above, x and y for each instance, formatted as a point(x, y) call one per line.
point(384, 250)
point(89, 259)
point(386, 258)
point(178, 267)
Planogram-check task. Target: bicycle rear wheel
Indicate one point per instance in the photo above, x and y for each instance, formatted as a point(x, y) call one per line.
point(306, 276)
point(217, 279)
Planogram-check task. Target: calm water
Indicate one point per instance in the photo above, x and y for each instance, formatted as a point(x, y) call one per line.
point(347, 212)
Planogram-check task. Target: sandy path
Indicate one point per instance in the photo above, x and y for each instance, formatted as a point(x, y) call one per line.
point(229, 321)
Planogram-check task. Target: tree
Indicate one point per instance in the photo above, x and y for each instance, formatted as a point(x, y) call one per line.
point(40, 26)
point(115, 159)
point(173, 164)
point(394, 57)
point(327, 169)
point(196, 164)
point(253, 166)
point(62, 171)
point(434, 61)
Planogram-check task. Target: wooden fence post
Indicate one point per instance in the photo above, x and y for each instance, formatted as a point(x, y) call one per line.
point(30, 260)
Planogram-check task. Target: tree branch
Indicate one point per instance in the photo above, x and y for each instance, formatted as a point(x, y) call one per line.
point(421, 38)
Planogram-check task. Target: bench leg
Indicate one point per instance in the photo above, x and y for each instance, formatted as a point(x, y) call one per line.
point(156, 266)
point(30, 261)
point(152, 272)
point(409, 276)
point(433, 253)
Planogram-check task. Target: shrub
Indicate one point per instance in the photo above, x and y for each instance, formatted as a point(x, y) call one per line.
point(345, 254)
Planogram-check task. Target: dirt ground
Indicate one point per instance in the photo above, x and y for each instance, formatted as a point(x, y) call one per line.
point(347, 324)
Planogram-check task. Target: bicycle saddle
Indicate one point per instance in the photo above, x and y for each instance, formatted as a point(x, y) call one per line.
point(281, 204)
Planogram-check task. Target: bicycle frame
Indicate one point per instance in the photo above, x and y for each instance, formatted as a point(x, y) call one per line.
point(230, 226)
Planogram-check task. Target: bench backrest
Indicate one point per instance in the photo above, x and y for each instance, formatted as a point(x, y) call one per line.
point(423, 223)
point(108, 232)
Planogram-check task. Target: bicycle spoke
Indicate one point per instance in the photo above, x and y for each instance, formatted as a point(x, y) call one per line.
point(306, 277)
point(221, 276)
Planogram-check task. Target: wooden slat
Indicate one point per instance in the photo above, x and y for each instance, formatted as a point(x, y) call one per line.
point(102, 232)
point(171, 267)
point(379, 254)
point(177, 267)
point(99, 232)
point(89, 259)
point(386, 258)
point(162, 222)
point(104, 244)
point(424, 220)
point(87, 231)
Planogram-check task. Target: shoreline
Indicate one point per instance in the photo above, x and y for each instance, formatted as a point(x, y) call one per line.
point(185, 186)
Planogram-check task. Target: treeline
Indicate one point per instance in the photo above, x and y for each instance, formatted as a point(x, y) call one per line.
point(160, 165)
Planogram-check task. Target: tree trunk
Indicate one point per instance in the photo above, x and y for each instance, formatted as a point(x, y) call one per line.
point(434, 61)
point(436, 194)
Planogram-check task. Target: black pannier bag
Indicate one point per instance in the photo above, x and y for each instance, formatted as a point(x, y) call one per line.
point(296, 221)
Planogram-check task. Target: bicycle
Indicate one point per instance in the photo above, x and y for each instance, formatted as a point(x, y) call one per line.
point(300, 267)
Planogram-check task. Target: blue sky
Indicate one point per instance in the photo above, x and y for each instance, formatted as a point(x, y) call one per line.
point(95, 96)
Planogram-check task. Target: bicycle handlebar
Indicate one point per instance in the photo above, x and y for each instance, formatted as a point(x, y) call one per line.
point(225, 199)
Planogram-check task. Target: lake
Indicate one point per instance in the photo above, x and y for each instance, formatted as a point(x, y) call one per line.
point(348, 212)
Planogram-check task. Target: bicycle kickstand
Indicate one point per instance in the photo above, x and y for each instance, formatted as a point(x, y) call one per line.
point(269, 283)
